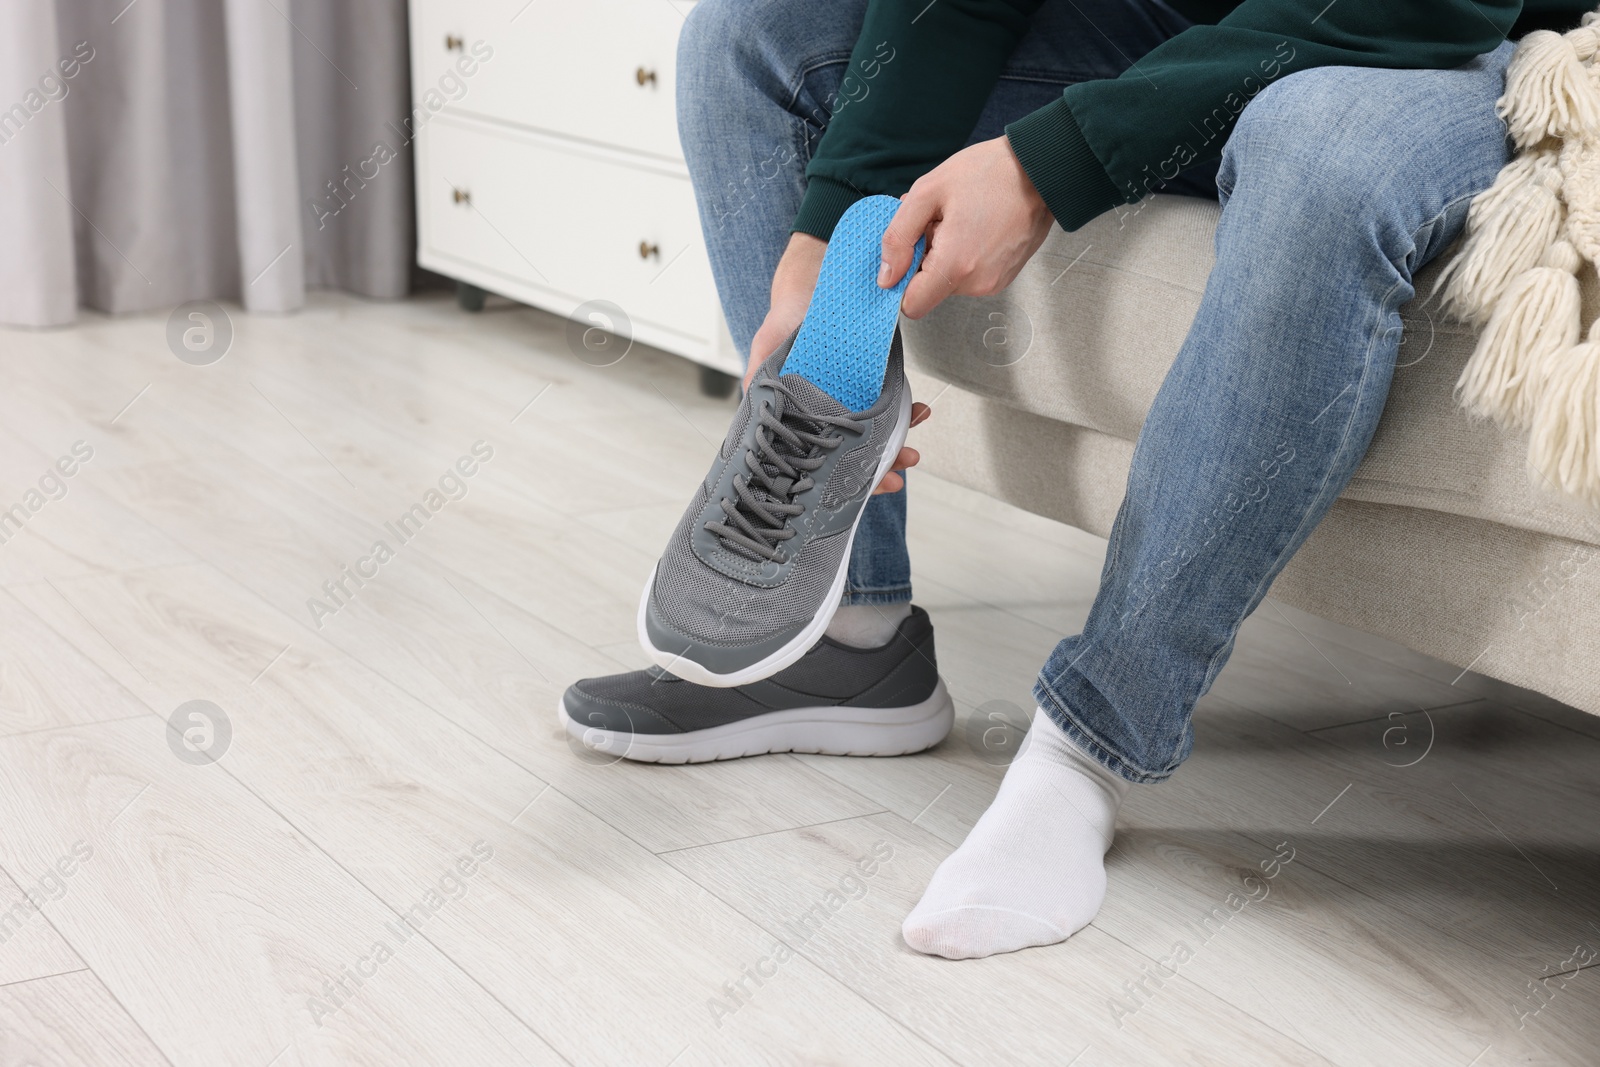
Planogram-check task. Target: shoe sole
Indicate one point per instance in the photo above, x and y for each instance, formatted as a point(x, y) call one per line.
point(827, 731)
point(679, 665)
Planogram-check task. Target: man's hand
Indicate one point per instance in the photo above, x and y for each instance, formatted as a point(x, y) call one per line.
point(792, 284)
point(983, 219)
point(908, 457)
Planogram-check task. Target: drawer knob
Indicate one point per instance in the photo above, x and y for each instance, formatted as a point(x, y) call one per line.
point(453, 43)
point(644, 77)
point(461, 196)
point(647, 250)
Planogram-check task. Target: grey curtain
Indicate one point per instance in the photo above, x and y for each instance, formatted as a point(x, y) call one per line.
point(160, 151)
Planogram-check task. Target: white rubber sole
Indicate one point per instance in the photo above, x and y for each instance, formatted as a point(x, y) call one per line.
point(690, 671)
point(828, 731)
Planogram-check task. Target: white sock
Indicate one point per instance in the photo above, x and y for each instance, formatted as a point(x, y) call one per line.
point(867, 625)
point(1032, 871)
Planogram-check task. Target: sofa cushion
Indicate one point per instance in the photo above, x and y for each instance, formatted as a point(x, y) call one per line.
point(1089, 328)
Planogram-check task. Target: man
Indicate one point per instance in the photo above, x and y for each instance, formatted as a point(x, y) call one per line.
point(1345, 141)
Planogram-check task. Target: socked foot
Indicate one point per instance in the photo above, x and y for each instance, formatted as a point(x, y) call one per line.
point(1032, 871)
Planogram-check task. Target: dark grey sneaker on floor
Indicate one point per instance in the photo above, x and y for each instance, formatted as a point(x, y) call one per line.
point(836, 700)
point(755, 569)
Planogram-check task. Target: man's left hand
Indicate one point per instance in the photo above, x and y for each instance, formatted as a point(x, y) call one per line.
point(983, 219)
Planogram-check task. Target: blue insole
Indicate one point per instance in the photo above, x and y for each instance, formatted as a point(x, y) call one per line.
point(843, 344)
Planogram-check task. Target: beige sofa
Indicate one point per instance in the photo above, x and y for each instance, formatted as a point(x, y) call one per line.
point(1440, 542)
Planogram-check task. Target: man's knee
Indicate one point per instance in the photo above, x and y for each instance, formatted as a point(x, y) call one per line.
point(1298, 135)
point(1348, 141)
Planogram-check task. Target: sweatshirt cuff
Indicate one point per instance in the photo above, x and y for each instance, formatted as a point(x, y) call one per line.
point(824, 202)
point(1051, 147)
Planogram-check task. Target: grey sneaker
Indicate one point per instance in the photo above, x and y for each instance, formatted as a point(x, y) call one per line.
point(836, 700)
point(755, 569)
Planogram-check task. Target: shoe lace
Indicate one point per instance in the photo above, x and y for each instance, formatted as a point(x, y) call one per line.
point(791, 441)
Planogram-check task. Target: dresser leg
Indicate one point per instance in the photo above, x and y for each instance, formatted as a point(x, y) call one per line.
point(469, 296)
point(715, 383)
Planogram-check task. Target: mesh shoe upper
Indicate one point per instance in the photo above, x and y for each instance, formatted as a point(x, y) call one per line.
point(766, 533)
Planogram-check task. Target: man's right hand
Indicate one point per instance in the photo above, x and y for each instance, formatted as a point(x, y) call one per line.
point(792, 284)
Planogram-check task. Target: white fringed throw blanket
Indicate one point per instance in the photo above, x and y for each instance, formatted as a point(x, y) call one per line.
point(1516, 275)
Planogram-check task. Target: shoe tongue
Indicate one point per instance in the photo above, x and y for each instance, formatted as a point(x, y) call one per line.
point(814, 399)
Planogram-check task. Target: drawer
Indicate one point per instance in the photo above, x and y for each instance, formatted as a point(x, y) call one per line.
point(600, 70)
point(580, 222)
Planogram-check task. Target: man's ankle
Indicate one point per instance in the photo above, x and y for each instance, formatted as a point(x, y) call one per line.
point(868, 625)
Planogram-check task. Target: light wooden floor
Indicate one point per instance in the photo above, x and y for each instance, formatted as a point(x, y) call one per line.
point(1441, 834)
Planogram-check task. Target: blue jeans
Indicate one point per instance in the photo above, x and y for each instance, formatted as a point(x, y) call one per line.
point(1337, 185)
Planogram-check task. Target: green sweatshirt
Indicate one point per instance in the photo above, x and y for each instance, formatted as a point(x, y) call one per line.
point(921, 72)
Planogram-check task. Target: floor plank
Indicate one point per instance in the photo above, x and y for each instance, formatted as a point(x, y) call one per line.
point(77, 528)
point(45, 682)
point(29, 946)
point(70, 1020)
point(1483, 741)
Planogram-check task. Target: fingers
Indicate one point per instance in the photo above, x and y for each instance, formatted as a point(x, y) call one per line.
point(765, 343)
point(775, 329)
point(930, 286)
point(920, 413)
point(900, 239)
point(892, 482)
point(792, 284)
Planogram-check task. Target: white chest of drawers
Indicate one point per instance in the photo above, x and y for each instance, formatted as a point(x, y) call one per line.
point(548, 168)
